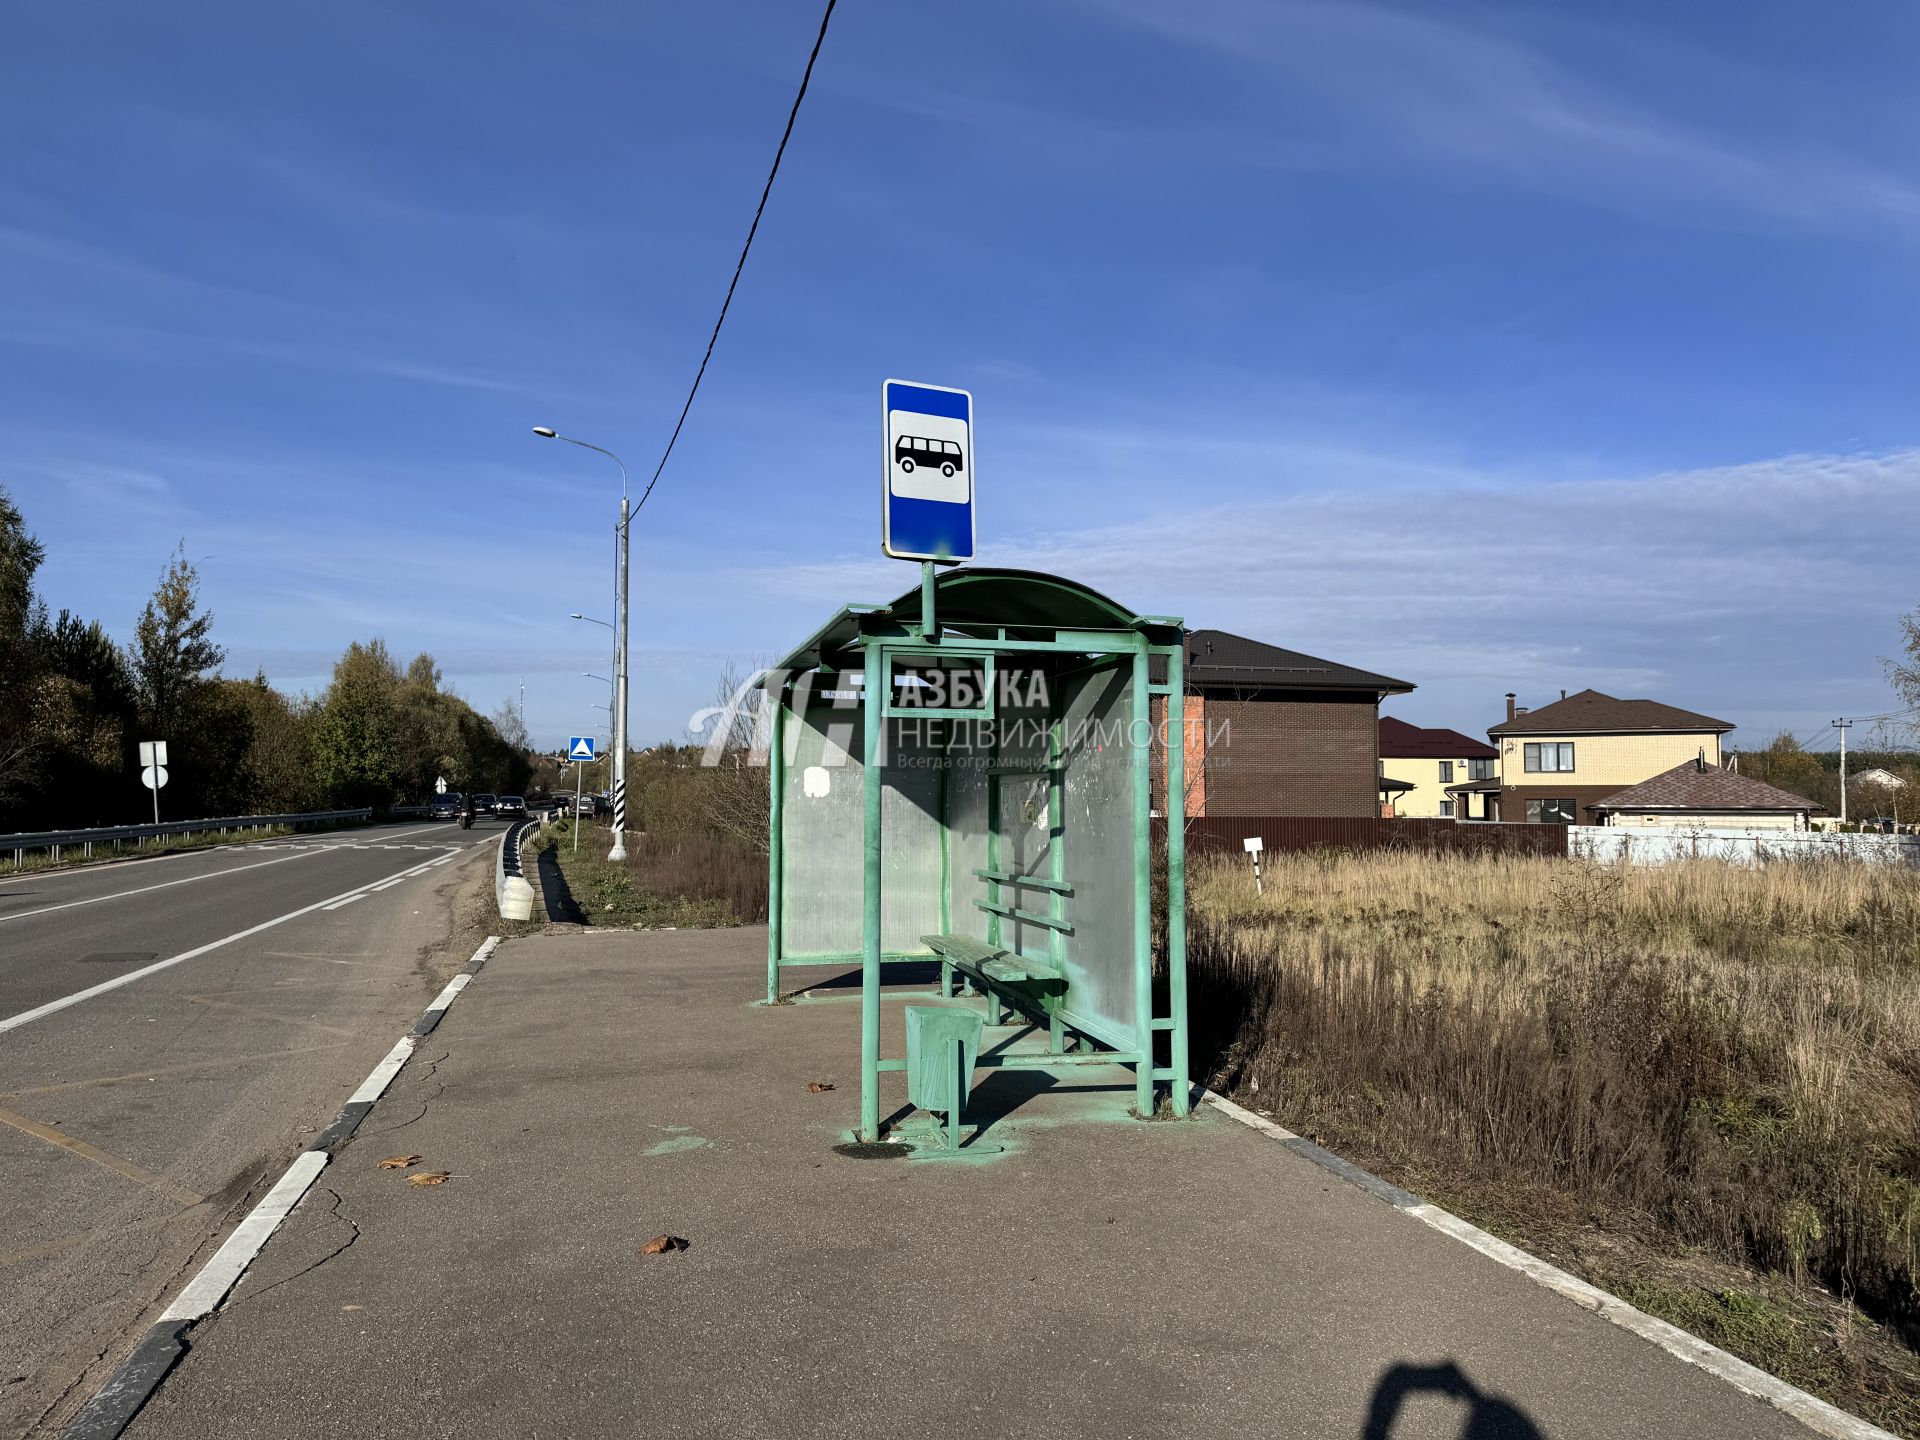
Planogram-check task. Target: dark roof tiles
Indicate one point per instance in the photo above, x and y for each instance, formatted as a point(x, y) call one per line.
point(1691, 786)
point(1590, 712)
point(1401, 741)
point(1217, 659)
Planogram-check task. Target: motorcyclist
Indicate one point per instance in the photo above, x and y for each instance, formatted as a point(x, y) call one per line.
point(466, 812)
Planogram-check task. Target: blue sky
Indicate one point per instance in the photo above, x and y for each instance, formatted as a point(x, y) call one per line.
point(1493, 347)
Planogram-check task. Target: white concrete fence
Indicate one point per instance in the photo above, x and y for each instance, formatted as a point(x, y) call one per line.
point(1651, 846)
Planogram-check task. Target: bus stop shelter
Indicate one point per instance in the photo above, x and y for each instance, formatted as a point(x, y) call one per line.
point(966, 776)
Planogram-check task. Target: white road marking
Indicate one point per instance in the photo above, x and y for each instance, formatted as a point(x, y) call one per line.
point(39, 1012)
point(389, 884)
point(220, 1274)
point(149, 889)
point(348, 900)
point(210, 1286)
point(66, 871)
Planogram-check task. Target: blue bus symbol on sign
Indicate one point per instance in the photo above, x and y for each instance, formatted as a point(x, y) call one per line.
point(926, 498)
point(580, 747)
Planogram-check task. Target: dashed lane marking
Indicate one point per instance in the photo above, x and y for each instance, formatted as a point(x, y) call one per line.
point(40, 1012)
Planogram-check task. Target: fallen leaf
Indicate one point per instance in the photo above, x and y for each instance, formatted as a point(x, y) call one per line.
point(819, 1087)
point(661, 1244)
point(398, 1162)
point(430, 1177)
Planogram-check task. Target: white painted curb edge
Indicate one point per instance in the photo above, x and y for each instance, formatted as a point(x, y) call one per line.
point(113, 1407)
point(1816, 1414)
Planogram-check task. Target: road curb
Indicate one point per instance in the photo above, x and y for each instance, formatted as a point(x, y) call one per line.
point(133, 1382)
point(1810, 1410)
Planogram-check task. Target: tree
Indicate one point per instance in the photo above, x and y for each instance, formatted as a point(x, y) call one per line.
point(278, 768)
point(1904, 675)
point(356, 737)
point(171, 653)
point(20, 619)
point(512, 729)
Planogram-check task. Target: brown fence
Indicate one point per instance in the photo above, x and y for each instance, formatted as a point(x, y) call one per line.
point(1216, 833)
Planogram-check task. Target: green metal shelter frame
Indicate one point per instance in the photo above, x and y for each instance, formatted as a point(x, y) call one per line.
point(1009, 819)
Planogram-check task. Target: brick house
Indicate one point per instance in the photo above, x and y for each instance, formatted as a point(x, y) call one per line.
point(1271, 731)
point(1556, 761)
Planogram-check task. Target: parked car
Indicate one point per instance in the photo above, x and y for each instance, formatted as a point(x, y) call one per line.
point(563, 803)
point(510, 805)
point(483, 804)
point(447, 806)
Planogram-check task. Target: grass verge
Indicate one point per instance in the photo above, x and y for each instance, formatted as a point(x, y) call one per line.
point(688, 883)
point(1697, 1086)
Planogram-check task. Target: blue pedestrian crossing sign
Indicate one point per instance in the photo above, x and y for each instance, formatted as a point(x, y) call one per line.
point(926, 498)
point(580, 747)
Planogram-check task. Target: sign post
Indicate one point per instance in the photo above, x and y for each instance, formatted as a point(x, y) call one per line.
point(440, 785)
point(579, 755)
point(1254, 845)
point(153, 770)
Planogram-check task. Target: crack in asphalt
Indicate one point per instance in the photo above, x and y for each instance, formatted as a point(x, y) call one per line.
point(439, 1089)
point(332, 1212)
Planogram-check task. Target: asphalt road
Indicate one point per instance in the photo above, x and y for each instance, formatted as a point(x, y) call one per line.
point(172, 1030)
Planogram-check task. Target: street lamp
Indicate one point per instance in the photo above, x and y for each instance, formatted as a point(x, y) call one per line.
point(620, 646)
point(610, 692)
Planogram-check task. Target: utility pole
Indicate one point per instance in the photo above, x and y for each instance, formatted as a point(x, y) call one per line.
point(619, 851)
point(1843, 726)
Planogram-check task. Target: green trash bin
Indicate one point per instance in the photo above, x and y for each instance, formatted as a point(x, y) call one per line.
point(943, 1046)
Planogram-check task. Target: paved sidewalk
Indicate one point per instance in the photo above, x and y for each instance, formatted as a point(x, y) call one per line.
point(1108, 1277)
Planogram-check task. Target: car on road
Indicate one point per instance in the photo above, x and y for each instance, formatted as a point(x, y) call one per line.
point(447, 806)
point(563, 803)
point(483, 804)
point(510, 805)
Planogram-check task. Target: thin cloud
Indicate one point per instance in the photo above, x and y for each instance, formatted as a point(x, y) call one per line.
point(1422, 83)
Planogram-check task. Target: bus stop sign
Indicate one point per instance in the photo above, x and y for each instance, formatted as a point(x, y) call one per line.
point(926, 496)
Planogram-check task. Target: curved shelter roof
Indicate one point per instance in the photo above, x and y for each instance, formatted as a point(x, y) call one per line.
point(982, 600)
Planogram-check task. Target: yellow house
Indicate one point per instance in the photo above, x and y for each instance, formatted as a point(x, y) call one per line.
point(1556, 761)
point(1417, 766)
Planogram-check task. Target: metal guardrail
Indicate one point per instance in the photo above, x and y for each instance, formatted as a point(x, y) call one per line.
point(54, 841)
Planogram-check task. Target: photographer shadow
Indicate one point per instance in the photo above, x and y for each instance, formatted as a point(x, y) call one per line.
point(1490, 1417)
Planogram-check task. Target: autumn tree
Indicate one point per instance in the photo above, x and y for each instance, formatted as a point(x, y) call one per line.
point(1904, 674)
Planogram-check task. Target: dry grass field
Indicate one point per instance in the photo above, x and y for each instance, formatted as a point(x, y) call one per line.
point(1698, 1084)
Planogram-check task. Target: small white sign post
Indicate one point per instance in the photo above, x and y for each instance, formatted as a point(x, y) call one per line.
point(440, 785)
point(1254, 845)
point(153, 770)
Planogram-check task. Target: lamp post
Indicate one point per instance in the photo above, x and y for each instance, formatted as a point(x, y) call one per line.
point(619, 851)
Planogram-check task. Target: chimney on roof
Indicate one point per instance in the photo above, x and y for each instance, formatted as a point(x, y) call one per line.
point(1509, 705)
point(1701, 763)
point(1521, 711)
point(1563, 692)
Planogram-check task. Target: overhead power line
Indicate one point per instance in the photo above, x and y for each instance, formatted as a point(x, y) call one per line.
point(752, 229)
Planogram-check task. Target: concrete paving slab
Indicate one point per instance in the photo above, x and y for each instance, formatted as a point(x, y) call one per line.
point(1106, 1277)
